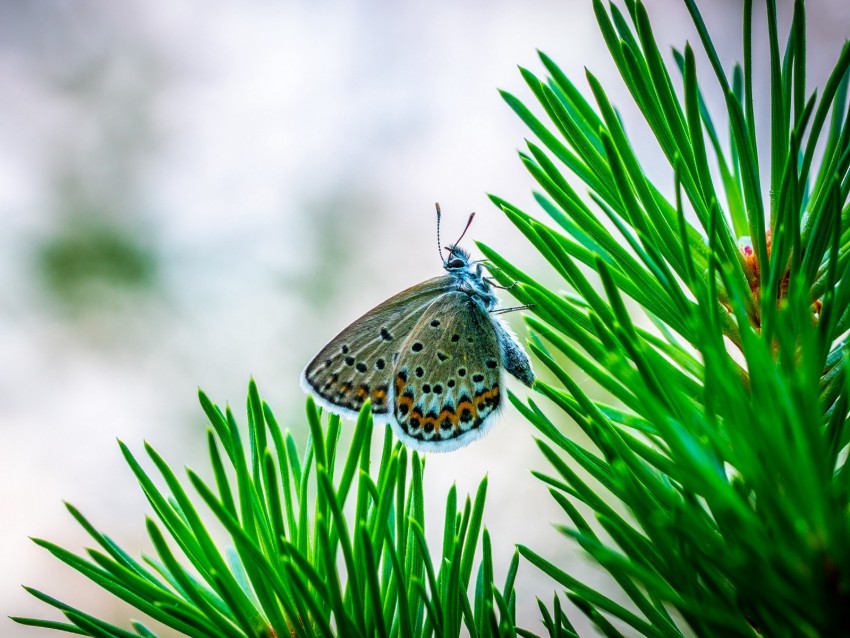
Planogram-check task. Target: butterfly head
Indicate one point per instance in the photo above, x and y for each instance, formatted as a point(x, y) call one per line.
point(458, 259)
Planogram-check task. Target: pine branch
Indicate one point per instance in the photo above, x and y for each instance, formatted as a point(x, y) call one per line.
point(300, 562)
point(728, 448)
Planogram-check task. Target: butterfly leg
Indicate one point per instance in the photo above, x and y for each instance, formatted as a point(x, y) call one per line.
point(502, 311)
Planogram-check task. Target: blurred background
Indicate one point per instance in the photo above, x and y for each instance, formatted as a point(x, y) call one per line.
point(192, 193)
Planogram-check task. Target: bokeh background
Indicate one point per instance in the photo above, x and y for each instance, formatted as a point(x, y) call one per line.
point(195, 192)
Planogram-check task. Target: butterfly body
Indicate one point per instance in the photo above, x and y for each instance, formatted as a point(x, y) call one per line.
point(429, 359)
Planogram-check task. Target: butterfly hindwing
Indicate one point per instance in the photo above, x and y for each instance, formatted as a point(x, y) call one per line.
point(447, 380)
point(357, 364)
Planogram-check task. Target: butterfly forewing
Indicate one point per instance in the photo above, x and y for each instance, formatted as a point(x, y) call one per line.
point(446, 382)
point(357, 364)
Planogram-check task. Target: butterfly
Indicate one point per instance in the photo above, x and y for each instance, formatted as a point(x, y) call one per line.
point(429, 359)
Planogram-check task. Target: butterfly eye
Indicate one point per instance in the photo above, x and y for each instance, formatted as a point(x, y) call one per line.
point(456, 263)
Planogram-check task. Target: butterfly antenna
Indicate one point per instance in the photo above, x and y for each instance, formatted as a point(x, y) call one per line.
point(466, 228)
point(496, 284)
point(439, 250)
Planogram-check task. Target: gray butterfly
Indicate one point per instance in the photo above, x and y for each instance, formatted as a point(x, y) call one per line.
point(430, 359)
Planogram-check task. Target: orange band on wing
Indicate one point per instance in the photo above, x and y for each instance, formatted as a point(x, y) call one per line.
point(468, 405)
point(486, 395)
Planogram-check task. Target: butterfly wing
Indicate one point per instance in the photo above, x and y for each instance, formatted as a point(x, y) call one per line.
point(357, 364)
point(447, 380)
